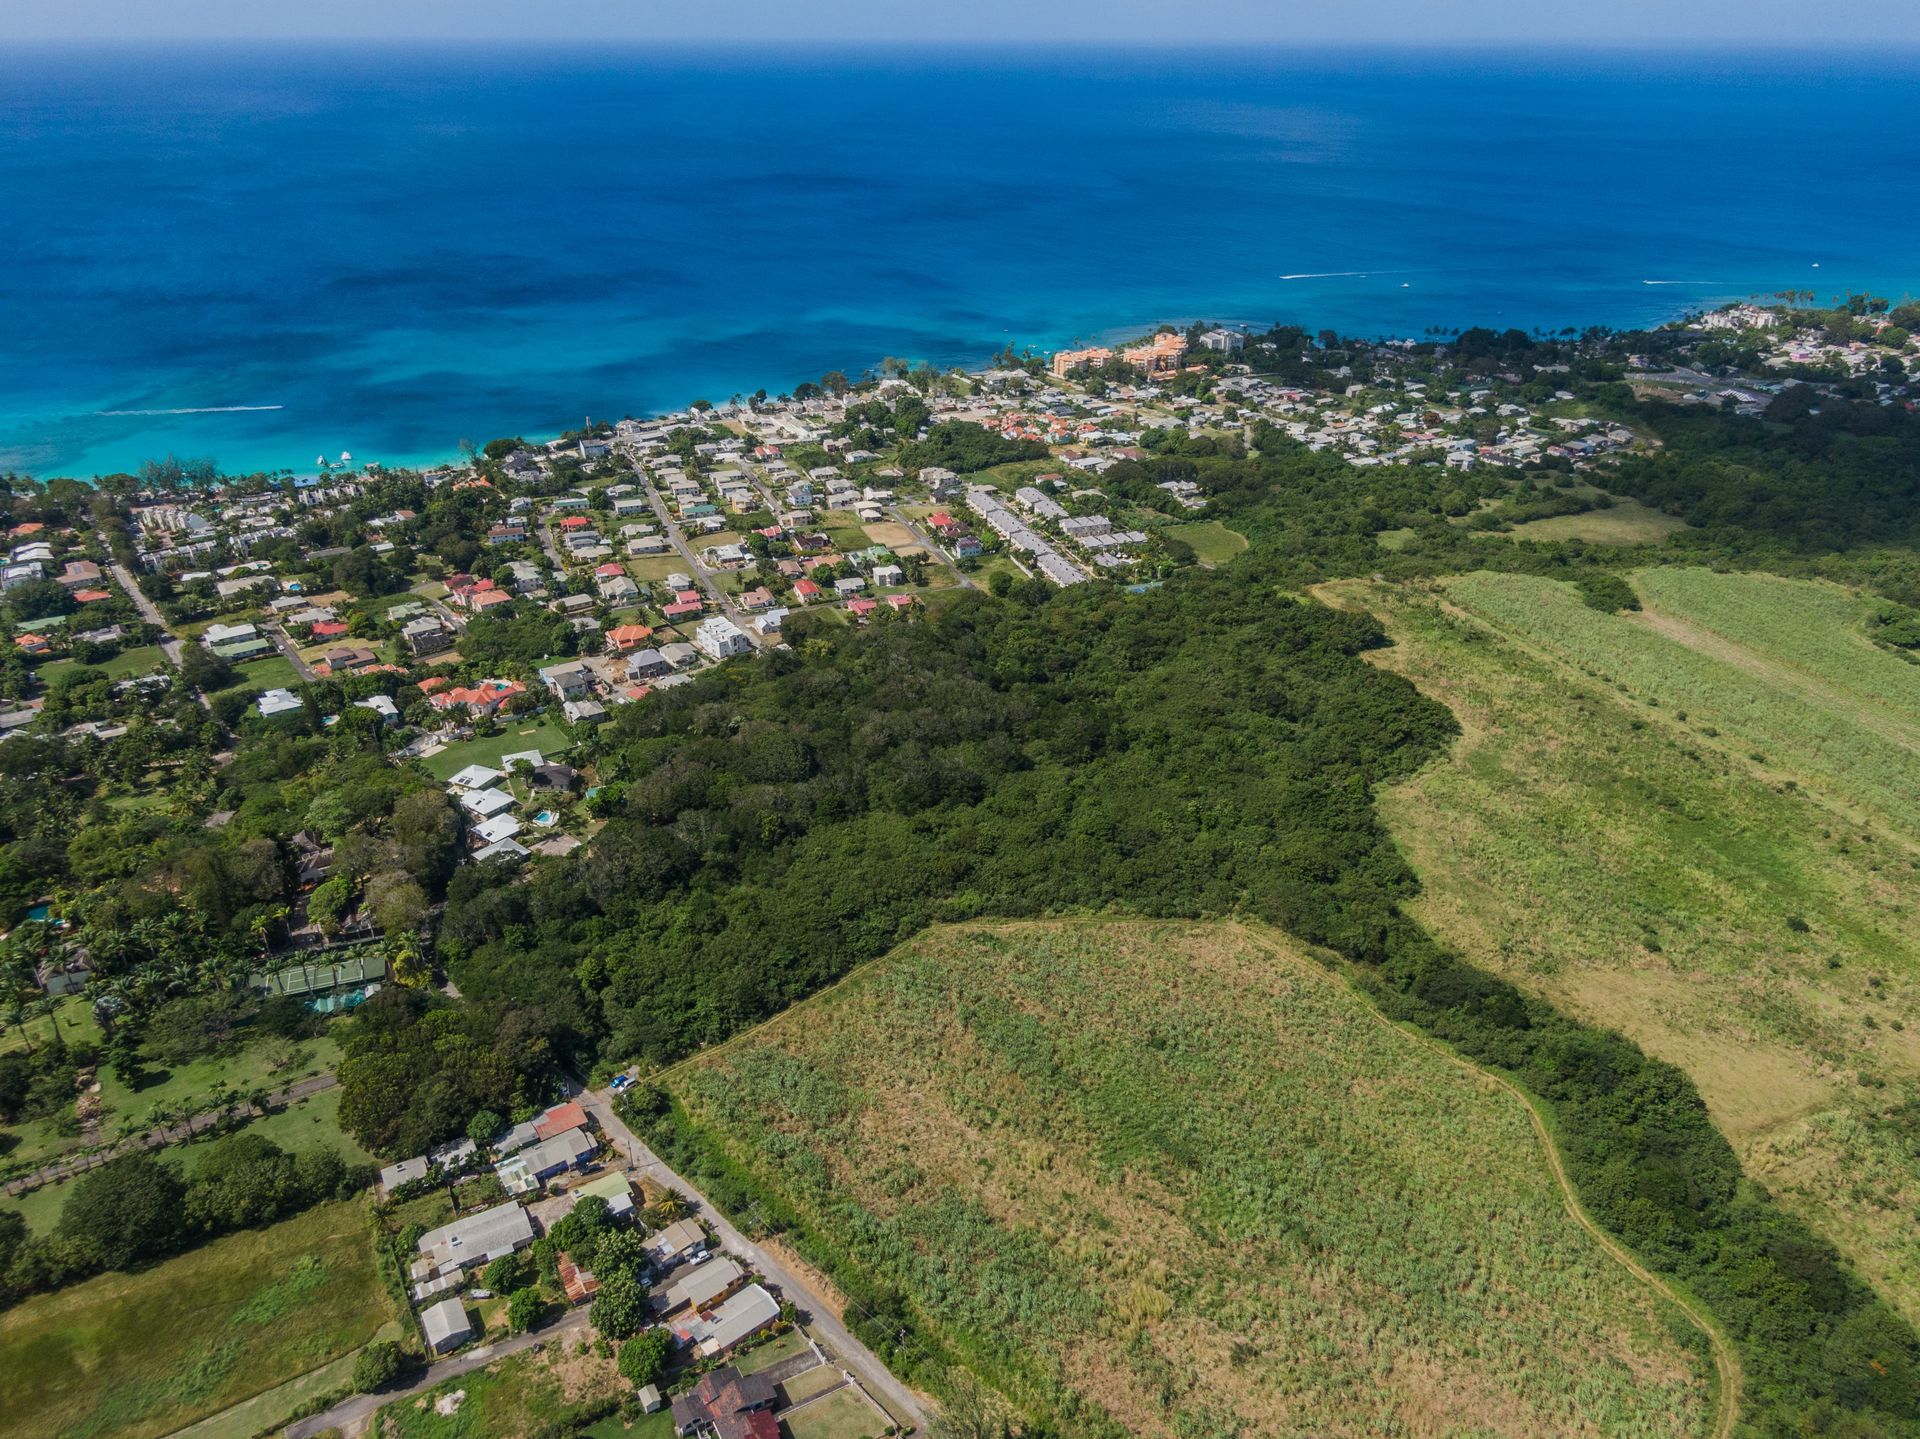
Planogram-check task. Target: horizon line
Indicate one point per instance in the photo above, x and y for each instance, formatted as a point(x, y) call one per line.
point(1516, 44)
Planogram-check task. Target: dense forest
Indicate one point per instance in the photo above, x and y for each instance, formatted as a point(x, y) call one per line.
point(1195, 750)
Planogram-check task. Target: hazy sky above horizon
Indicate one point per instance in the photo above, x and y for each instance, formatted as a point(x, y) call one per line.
point(1621, 22)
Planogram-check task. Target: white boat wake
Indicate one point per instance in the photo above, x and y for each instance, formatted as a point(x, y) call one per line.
point(197, 410)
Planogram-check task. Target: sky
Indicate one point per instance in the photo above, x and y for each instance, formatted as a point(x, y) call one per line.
point(1789, 23)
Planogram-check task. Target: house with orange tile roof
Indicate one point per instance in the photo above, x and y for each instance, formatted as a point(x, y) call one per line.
point(626, 637)
point(483, 698)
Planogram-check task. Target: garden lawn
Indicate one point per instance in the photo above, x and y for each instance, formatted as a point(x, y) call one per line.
point(1173, 1179)
point(140, 1355)
point(174, 1093)
point(844, 1415)
point(543, 735)
point(310, 1123)
point(74, 1015)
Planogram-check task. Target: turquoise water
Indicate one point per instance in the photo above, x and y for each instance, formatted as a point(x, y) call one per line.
point(262, 255)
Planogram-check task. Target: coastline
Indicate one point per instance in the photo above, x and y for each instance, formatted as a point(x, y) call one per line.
point(157, 446)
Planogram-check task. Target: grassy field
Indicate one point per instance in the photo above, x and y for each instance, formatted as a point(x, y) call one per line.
point(74, 1015)
point(514, 1398)
point(139, 1355)
point(1212, 542)
point(1854, 741)
point(1628, 522)
point(140, 660)
point(188, 1088)
point(1602, 852)
point(545, 736)
point(1182, 1179)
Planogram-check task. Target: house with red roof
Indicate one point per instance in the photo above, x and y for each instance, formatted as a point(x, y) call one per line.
point(328, 629)
point(91, 597)
point(860, 609)
point(806, 591)
point(681, 609)
point(559, 1119)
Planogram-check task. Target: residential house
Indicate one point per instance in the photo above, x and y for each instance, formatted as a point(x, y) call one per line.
point(705, 1285)
point(568, 681)
point(728, 1405)
point(675, 1242)
point(446, 1326)
point(540, 1162)
point(425, 636)
point(277, 702)
point(475, 1240)
point(746, 1314)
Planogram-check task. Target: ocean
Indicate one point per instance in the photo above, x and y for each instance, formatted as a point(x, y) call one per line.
point(266, 254)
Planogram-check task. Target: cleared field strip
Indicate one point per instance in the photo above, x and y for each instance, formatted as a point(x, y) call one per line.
point(1610, 858)
point(1794, 723)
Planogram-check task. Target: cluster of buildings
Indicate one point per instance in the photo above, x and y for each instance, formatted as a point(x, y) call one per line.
point(501, 824)
point(1021, 537)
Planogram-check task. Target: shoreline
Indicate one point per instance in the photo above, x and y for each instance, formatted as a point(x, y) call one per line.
point(449, 453)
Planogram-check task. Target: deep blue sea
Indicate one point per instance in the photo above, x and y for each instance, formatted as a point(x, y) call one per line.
point(263, 254)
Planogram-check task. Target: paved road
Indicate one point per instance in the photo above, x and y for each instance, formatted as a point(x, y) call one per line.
point(701, 574)
point(285, 645)
point(934, 553)
point(877, 1378)
point(167, 1134)
point(170, 645)
point(350, 1416)
point(149, 612)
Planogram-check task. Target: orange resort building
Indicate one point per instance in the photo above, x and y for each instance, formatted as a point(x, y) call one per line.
point(1162, 352)
point(1067, 361)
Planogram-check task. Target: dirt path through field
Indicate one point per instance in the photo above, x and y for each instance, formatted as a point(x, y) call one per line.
point(1785, 677)
point(1725, 1362)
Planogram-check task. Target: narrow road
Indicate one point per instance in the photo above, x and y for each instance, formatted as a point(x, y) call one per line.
point(160, 1138)
point(934, 553)
point(170, 645)
point(284, 643)
point(877, 1378)
point(1725, 1362)
point(702, 576)
point(350, 1416)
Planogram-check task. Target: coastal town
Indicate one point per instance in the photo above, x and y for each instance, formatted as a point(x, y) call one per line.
point(335, 697)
